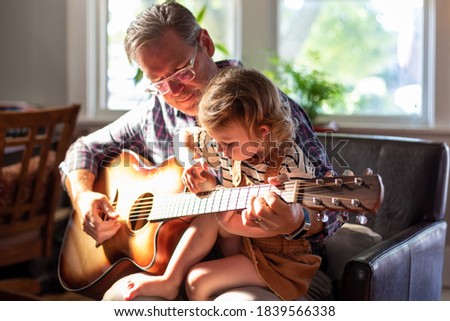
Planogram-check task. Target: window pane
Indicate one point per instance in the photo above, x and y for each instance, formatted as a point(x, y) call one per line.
point(372, 47)
point(123, 92)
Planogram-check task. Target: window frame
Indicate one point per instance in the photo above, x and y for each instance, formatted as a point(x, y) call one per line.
point(427, 118)
point(86, 86)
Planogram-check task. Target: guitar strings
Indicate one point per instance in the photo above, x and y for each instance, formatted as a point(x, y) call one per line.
point(142, 207)
point(142, 210)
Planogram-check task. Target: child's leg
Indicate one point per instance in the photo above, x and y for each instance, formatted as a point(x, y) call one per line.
point(229, 244)
point(195, 244)
point(206, 279)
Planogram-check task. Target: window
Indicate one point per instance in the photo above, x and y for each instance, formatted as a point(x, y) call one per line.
point(123, 88)
point(374, 48)
point(396, 83)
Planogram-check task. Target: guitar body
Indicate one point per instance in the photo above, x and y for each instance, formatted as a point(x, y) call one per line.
point(139, 245)
point(156, 211)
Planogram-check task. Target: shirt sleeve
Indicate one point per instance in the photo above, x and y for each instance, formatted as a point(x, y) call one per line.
point(147, 130)
point(314, 150)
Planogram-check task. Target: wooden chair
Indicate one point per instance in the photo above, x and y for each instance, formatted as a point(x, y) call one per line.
point(32, 145)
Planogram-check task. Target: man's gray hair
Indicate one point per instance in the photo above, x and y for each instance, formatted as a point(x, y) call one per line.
point(149, 26)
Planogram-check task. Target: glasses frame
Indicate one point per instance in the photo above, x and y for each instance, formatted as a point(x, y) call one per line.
point(153, 87)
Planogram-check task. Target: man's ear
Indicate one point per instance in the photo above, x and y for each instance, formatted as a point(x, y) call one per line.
point(206, 42)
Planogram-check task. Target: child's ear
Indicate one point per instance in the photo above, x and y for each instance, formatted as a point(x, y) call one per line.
point(264, 130)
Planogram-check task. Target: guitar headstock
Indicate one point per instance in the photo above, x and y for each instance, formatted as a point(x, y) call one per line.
point(351, 193)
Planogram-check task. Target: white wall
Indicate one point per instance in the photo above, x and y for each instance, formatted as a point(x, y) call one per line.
point(33, 51)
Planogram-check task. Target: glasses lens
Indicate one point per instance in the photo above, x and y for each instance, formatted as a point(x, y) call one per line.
point(184, 75)
point(163, 87)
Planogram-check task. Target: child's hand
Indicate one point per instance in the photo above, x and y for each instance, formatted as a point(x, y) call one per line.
point(278, 180)
point(192, 176)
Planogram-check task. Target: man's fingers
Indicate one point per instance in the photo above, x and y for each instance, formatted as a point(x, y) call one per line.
point(109, 211)
point(276, 203)
point(248, 219)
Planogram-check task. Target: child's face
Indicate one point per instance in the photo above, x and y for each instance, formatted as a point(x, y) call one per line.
point(235, 143)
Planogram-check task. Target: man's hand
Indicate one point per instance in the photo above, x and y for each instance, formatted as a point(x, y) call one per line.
point(99, 220)
point(273, 214)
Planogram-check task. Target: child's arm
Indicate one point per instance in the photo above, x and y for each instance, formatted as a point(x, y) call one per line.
point(196, 171)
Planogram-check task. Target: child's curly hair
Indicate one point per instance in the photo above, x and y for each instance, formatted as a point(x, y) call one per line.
point(245, 94)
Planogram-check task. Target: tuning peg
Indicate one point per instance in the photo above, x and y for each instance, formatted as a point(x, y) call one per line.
point(355, 202)
point(316, 200)
point(336, 201)
point(361, 218)
point(331, 173)
point(358, 181)
point(368, 171)
point(343, 217)
point(348, 172)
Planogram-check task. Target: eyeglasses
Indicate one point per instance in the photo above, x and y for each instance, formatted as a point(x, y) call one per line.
point(182, 76)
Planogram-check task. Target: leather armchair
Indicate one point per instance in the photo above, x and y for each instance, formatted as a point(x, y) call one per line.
point(408, 263)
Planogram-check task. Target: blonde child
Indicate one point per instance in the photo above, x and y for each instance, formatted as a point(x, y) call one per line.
point(246, 134)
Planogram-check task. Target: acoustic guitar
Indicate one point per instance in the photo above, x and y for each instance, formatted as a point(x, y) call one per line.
point(155, 210)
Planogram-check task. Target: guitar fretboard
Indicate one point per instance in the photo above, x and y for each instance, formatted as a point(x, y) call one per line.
point(220, 200)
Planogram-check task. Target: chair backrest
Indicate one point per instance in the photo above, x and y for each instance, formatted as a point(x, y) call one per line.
point(414, 172)
point(32, 145)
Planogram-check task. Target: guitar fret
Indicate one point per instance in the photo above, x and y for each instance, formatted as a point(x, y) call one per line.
point(173, 206)
point(186, 203)
point(196, 205)
point(159, 208)
point(210, 207)
point(169, 206)
point(217, 199)
point(180, 204)
point(290, 194)
point(202, 205)
point(225, 200)
point(154, 209)
point(243, 200)
point(234, 198)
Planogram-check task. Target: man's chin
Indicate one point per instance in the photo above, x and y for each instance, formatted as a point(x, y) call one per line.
point(189, 106)
point(190, 111)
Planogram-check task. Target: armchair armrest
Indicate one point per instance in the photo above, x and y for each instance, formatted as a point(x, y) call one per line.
point(407, 266)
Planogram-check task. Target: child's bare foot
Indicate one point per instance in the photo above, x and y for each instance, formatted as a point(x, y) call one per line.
point(140, 284)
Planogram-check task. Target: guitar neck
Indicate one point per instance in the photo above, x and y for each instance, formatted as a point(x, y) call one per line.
point(220, 200)
point(358, 194)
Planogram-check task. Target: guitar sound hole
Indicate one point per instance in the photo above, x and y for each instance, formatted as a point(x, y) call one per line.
point(140, 211)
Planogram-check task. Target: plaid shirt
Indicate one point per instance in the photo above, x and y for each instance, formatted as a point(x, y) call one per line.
point(149, 130)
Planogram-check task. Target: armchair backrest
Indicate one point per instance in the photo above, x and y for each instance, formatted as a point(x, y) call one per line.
point(32, 145)
point(415, 175)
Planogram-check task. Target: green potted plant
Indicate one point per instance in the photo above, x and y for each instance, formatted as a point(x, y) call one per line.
point(310, 88)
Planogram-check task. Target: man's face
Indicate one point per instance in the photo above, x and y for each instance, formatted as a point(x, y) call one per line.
point(173, 54)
